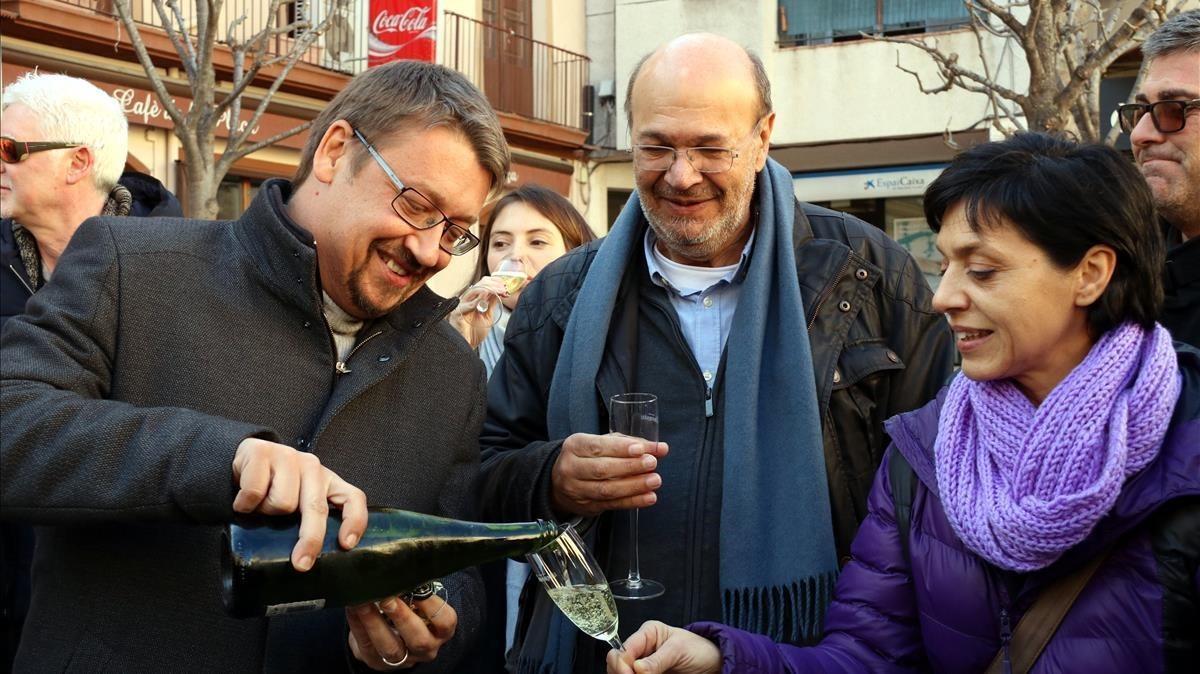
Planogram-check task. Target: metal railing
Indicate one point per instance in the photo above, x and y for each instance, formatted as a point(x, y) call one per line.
point(518, 74)
point(803, 22)
point(341, 47)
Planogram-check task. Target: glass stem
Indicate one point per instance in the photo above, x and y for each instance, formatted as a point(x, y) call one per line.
point(616, 644)
point(635, 568)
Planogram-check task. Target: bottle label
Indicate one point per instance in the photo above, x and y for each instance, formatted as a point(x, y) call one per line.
point(295, 607)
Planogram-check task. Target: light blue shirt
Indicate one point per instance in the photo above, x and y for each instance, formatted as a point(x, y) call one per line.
point(704, 299)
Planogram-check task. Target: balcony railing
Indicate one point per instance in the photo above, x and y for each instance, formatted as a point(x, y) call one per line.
point(822, 21)
point(518, 74)
point(341, 47)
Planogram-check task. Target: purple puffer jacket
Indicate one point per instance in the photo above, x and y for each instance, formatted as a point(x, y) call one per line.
point(943, 611)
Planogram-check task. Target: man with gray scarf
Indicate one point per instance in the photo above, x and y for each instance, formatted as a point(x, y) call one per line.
point(777, 337)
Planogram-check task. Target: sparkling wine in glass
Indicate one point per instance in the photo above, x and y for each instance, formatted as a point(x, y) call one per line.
point(576, 584)
point(635, 415)
point(512, 273)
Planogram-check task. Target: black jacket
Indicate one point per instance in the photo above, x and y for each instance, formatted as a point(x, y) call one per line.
point(878, 349)
point(1181, 281)
point(150, 197)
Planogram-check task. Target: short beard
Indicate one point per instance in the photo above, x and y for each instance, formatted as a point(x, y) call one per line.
point(719, 233)
point(363, 304)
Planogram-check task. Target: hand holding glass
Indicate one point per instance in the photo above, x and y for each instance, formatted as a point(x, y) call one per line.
point(573, 579)
point(512, 273)
point(635, 415)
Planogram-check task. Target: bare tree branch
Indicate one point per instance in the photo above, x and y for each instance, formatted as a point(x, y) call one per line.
point(1068, 45)
point(947, 85)
point(176, 29)
point(234, 145)
point(1100, 57)
point(1005, 16)
point(282, 135)
point(125, 14)
point(951, 71)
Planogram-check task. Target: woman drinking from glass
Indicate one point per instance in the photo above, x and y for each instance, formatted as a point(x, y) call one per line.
point(528, 229)
point(1043, 513)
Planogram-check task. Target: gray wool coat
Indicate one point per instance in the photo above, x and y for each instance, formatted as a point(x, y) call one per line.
point(126, 388)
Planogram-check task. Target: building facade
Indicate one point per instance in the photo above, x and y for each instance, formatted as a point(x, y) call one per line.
point(526, 55)
point(856, 132)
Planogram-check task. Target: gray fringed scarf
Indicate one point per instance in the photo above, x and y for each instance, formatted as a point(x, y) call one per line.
point(778, 559)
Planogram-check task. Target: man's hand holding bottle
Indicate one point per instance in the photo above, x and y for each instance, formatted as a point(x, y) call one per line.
point(400, 632)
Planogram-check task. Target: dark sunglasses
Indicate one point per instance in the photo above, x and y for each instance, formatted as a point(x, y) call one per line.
point(15, 151)
point(1168, 116)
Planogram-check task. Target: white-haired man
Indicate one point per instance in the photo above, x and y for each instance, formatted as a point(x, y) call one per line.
point(63, 144)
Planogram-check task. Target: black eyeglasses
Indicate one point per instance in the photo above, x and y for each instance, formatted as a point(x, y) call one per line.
point(419, 211)
point(1168, 116)
point(16, 151)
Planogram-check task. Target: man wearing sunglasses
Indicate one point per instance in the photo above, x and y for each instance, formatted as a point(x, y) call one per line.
point(177, 372)
point(777, 337)
point(1164, 129)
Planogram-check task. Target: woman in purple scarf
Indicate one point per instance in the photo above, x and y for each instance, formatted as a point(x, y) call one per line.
point(1070, 438)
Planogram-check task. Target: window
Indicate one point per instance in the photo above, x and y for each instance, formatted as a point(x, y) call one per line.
point(234, 194)
point(804, 22)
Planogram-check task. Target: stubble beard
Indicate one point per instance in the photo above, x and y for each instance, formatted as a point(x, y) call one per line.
point(359, 296)
point(714, 237)
point(1179, 204)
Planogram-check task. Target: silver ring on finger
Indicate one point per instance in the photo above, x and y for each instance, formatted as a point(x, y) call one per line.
point(389, 663)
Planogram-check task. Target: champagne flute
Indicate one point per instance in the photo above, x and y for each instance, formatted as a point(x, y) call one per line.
point(511, 272)
point(574, 580)
point(635, 415)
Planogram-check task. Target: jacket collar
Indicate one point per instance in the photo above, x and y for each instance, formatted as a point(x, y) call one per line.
point(1183, 260)
point(285, 256)
point(1174, 473)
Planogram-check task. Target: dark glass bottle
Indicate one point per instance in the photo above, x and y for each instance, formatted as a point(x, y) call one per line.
point(398, 551)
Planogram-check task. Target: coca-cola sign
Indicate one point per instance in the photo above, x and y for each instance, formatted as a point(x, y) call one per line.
point(402, 29)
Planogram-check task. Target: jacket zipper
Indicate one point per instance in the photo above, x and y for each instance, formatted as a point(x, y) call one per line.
point(829, 291)
point(20, 278)
point(340, 366)
point(692, 593)
point(1005, 628)
point(1005, 639)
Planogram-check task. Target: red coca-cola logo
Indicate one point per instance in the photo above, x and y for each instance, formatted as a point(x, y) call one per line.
point(411, 20)
point(402, 29)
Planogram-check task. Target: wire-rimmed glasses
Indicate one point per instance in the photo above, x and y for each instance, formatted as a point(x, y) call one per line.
point(419, 211)
point(635, 415)
point(1167, 116)
point(703, 159)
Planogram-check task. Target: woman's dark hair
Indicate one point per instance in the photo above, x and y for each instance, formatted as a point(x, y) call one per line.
point(1064, 197)
point(574, 229)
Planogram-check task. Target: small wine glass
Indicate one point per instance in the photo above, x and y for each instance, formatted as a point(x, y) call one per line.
point(635, 415)
point(573, 579)
point(512, 272)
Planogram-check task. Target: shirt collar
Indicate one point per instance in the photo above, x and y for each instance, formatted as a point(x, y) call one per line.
point(733, 277)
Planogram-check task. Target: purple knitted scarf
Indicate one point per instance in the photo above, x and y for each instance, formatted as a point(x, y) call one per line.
point(1022, 484)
